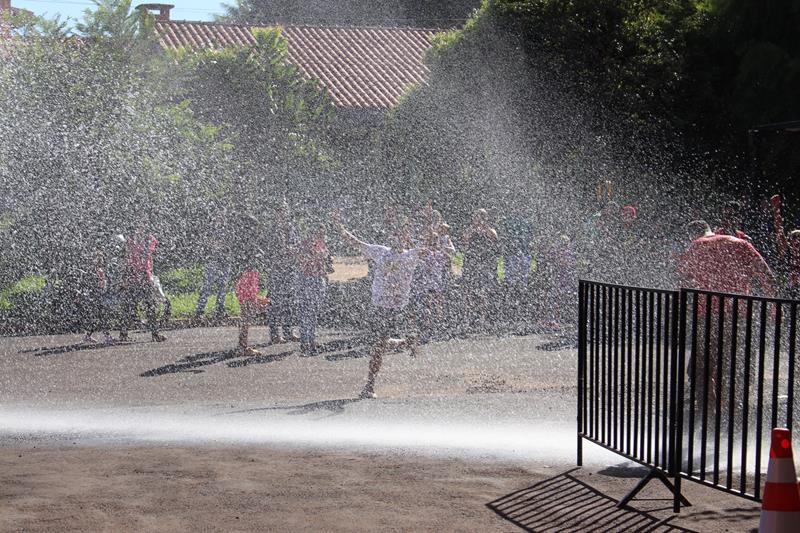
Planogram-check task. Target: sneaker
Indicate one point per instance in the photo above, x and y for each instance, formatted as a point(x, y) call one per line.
point(367, 394)
point(413, 343)
point(88, 340)
point(393, 343)
point(157, 337)
point(248, 352)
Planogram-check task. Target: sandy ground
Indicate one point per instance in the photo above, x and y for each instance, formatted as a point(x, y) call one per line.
point(473, 435)
point(158, 488)
point(348, 268)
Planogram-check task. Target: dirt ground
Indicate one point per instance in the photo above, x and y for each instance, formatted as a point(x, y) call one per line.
point(348, 268)
point(87, 441)
point(129, 488)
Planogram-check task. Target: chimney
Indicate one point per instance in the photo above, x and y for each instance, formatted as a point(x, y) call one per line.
point(163, 10)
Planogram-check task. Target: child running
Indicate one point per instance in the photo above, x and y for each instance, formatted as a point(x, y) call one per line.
point(391, 286)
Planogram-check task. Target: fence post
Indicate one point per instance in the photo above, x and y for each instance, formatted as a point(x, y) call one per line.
point(679, 378)
point(581, 363)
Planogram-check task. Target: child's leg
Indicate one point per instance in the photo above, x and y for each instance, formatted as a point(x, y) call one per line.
point(316, 298)
point(303, 310)
point(205, 290)
point(375, 362)
point(152, 318)
point(243, 334)
point(128, 312)
point(276, 317)
point(244, 328)
point(222, 289)
point(149, 296)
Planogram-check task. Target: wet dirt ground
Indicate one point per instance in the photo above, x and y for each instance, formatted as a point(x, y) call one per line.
point(472, 435)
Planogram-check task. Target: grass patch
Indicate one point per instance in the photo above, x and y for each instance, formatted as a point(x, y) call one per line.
point(183, 280)
point(31, 283)
point(185, 304)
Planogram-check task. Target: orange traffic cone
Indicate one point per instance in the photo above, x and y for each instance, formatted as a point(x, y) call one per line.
point(780, 508)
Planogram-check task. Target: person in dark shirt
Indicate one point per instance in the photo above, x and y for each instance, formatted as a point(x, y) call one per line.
point(479, 272)
point(281, 257)
point(218, 268)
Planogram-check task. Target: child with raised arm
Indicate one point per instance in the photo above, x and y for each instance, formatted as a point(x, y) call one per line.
point(391, 287)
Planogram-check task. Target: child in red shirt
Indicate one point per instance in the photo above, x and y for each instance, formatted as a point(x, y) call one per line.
point(247, 288)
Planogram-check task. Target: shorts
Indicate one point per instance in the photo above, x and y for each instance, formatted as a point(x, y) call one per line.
point(387, 323)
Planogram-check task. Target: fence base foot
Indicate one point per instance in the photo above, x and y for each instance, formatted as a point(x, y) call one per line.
point(654, 474)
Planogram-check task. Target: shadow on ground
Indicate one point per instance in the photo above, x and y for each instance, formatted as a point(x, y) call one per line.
point(333, 350)
point(332, 407)
point(564, 503)
point(194, 363)
point(350, 348)
point(67, 348)
point(557, 345)
point(259, 359)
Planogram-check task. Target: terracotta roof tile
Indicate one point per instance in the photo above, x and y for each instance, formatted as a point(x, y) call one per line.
point(366, 67)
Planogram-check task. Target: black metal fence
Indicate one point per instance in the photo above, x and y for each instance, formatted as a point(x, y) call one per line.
point(688, 383)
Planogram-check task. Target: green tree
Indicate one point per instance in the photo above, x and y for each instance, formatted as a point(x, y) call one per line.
point(275, 118)
point(90, 146)
point(646, 86)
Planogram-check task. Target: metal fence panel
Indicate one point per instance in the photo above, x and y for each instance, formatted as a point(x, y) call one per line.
point(741, 383)
point(688, 383)
point(628, 374)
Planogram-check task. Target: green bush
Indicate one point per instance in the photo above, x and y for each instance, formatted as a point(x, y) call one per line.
point(182, 280)
point(23, 289)
point(688, 77)
point(184, 304)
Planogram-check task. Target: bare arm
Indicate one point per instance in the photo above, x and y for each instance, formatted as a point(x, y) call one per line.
point(347, 236)
point(449, 248)
point(777, 218)
point(352, 240)
point(765, 277)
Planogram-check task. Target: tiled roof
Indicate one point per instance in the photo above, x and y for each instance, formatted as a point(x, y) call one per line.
point(360, 67)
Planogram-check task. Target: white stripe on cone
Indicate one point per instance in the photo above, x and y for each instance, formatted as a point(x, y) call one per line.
point(781, 470)
point(782, 489)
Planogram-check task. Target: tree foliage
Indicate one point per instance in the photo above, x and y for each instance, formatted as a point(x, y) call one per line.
point(710, 67)
point(622, 82)
point(275, 118)
point(99, 133)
